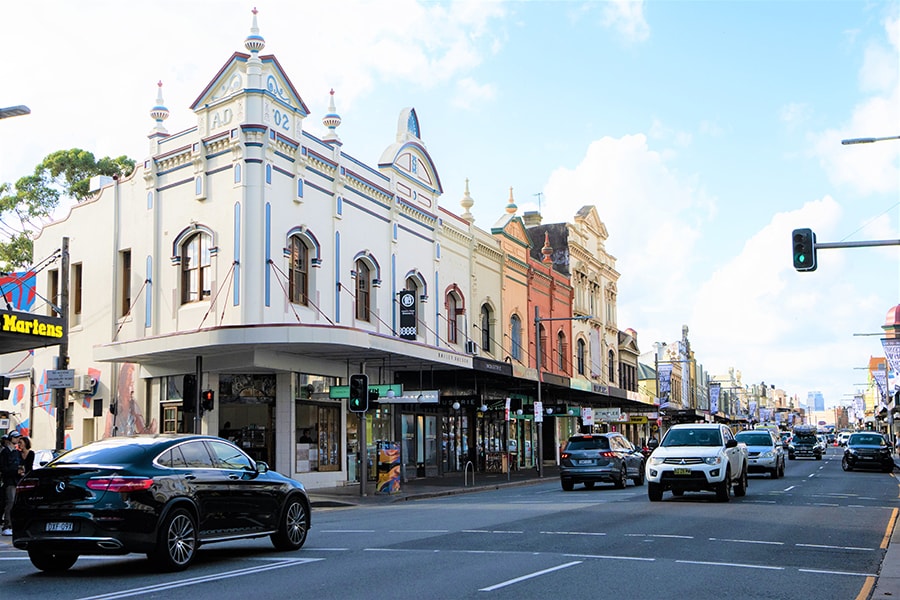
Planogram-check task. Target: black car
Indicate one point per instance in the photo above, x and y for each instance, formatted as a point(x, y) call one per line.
point(594, 457)
point(163, 495)
point(867, 450)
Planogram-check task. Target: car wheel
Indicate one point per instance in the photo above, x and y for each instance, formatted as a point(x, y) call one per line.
point(740, 488)
point(791, 457)
point(845, 464)
point(774, 472)
point(567, 485)
point(294, 525)
point(639, 480)
point(52, 562)
point(654, 492)
point(781, 472)
point(176, 546)
point(622, 481)
point(722, 489)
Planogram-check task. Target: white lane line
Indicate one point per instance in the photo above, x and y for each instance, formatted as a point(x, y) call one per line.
point(787, 489)
point(660, 535)
point(347, 530)
point(838, 573)
point(418, 531)
point(824, 504)
point(203, 579)
point(746, 541)
point(607, 557)
point(529, 576)
point(489, 531)
point(571, 533)
point(723, 564)
point(824, 547)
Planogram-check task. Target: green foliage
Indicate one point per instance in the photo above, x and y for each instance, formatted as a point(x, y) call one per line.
point(28, 206)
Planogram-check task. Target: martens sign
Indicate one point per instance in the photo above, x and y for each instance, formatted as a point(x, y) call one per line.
point(26, 331)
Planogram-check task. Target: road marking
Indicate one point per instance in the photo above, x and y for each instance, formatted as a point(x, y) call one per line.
point(347, 530)
point(824, 547)
point(529, 576)
point(202, 579)
point(607, 557)
point(746, 541)
point(418, 531)
point(488, 531)
point(835, 572)
point(787, 489)
point(571, 533)
point(824, 504)
point(660, 535)
point(722, 564)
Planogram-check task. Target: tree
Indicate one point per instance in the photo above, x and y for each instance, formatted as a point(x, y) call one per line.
point(26, 207)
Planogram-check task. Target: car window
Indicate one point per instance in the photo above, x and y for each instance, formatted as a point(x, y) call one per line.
point(196, 456)
point(692, 437)
point(591, 443)
point(227, 456)
point(754, 439)
point(868, 440)
point(172, 458)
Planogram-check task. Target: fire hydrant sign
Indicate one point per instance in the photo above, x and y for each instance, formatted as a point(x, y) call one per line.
point(60, 378)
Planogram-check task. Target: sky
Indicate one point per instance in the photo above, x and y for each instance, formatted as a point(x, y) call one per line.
point(704, 132)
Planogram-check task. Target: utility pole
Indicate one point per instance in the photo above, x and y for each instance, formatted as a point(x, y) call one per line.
point(62, 361)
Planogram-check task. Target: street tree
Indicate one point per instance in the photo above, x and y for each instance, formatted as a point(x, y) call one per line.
point(29, 204)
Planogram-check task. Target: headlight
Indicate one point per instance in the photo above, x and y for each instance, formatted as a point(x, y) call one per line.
point(656, 460)
point(791, 446)
point(712, 460)
point(768, 454)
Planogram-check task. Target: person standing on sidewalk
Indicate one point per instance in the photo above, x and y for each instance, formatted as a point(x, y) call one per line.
point(10, 460)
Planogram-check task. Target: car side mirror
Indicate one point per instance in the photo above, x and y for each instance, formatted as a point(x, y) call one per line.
point(261, 467)
point(732, 443)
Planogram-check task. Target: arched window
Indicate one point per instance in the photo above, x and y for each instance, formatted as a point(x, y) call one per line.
point(581, 356)
point(298, 276)
point(612, 366)
point(452, 318)
point(486, 333)
point(196, 268)
point(561, 351)
point(363, 290)
point(515, 337)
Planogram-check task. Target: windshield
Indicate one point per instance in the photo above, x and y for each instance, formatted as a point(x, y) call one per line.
point(597, 443)
point(692, 437)
point(863, 439)
point(755, 439)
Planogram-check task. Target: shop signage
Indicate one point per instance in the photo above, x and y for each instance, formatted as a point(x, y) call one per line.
point(600, 389)
point(607, 414)
point(412, 397)
point(60, 378)
point(555, 379)
point(492, 366)
point(26, 331)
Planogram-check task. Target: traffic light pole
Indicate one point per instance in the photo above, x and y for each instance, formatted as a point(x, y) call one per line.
point(62, 362)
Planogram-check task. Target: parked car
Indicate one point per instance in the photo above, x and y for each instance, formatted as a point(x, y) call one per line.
point(867, 450)
point(600, 457)
point(842, 437)
point(163, 495)
point(764, 452)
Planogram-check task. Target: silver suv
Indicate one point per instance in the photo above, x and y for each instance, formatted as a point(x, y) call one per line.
point(600, 457)
point(765, 453)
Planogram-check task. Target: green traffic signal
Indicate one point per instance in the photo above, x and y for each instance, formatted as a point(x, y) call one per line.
point(359, 393)
point(804, 246)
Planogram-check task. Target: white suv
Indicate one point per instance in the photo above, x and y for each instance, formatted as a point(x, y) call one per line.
point(695, 457)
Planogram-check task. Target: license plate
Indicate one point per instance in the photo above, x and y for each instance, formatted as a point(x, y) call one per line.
point(867, 457)
point(64, 526)
point(682, 471)
point(586, 461)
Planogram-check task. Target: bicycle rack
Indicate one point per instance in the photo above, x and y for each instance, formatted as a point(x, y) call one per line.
point(466, 474)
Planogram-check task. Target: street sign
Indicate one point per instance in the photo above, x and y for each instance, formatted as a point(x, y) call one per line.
point(60, 378)
point(587, 415)
point(343, 391)
point(538, 412)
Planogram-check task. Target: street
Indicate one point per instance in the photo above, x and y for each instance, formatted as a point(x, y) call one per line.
point(818, 532)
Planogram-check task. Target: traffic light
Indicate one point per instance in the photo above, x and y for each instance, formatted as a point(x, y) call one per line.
point(359, 393)
point(206, 399)
point(189, 393)
point(4, 385)
point(804, 245)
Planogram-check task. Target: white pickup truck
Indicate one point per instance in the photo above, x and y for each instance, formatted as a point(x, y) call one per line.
point(694, 457)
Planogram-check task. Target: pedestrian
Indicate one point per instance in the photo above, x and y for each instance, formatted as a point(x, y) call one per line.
point(9, 474)
point(4, 448)
point(27, 456)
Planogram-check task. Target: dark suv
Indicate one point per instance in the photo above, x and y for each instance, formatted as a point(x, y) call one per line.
point(600, 457)
point(867, 450)
point(805, 442)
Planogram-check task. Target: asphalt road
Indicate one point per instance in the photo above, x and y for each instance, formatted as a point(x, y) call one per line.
point(817, 533)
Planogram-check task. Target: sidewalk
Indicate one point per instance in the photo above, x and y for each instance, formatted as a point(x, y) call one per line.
point(430, 487)
point(888, 583)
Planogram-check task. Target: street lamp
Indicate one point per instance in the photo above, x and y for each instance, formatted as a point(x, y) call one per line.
point(869, 140)
point(537, 347)
point(14, 111)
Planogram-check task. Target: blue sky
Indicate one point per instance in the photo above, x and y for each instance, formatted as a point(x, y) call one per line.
point(704, 132)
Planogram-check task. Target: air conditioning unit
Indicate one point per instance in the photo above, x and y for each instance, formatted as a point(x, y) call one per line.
point(85, 383)
point(471, 347)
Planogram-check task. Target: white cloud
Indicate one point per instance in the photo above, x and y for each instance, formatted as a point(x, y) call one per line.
point(470, 93)
point(626, 17)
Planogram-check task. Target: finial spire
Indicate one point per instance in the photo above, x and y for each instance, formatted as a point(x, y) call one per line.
point(467, 203)
point(159, 113)
point(332, 121)
point(546, 251)
point(254, 42)
point(511, 207)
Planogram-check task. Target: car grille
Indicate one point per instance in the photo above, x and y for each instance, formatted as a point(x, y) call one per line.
point(683, 460)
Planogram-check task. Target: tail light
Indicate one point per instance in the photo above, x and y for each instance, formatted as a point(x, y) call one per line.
point(607, 454)
point(26, 484)
point(119, 484)
point(565, 455)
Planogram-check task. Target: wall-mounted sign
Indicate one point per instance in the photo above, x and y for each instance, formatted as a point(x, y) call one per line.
point(408, 329)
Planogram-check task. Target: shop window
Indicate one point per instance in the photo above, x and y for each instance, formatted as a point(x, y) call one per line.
point(581, 356)
point(171, 419)
point(611, 366)
point(562, 348)
point(363, 290)
point(452, 318)
point(318, 437)
point(125, 282)
point(76, 293)
point(515, 337)
point(486, 332)
point(299, 272)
